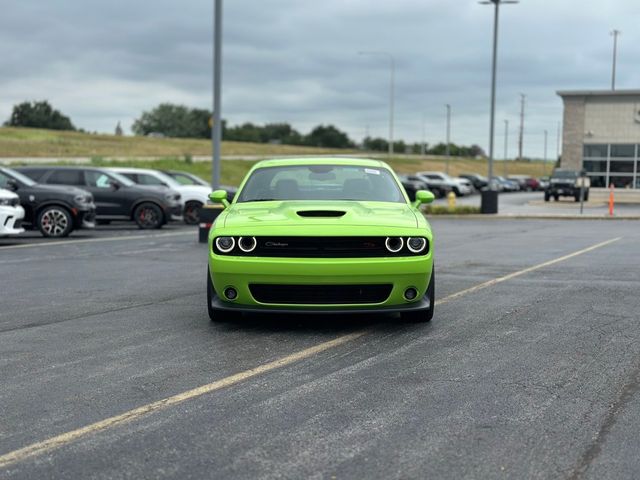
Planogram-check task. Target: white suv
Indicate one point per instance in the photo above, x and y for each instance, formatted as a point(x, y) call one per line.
point(440, 178)
point(11, 213)
point(192, 196)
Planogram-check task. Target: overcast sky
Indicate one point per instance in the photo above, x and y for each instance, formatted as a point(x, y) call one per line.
point(296, 61)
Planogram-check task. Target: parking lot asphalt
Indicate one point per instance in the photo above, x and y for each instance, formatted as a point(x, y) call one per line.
point(534, 375)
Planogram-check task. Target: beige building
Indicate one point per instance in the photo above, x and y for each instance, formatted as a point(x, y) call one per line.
point(602, 135)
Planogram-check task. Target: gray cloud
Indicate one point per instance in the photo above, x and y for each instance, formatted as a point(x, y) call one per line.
point(296, 61)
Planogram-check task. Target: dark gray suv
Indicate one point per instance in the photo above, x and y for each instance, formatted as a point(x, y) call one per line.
point(116, 197)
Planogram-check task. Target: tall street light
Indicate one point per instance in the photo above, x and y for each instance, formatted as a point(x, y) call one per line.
point(544, 164)
point(216, 130)
point(392, 68)
point(492, 197)
point(448, 150)
point(615, 34)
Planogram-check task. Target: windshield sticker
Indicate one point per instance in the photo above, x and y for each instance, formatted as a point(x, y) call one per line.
point(371, 171)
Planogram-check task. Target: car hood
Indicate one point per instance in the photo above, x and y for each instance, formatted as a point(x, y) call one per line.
point(334, 213)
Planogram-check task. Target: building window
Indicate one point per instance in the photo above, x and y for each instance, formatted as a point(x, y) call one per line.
point(623, 151)
point(616, 164)
point(595, 151)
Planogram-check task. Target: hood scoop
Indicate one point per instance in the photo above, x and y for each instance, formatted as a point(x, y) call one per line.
point(321, 213)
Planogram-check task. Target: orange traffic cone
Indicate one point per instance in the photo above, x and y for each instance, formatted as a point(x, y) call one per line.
point(611, 187)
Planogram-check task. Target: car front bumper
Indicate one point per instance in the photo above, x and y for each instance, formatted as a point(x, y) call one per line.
point(400, 272)
point(10, 218)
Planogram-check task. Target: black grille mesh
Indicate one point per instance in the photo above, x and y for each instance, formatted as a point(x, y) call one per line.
point(320, 294)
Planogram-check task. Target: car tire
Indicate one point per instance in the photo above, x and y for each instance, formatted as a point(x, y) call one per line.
point(148, 216)
point(576, 198)
point(586, 197)
point(547, 196)
point(216, 315)
point(424, 315)
point(191, 213)
point(556, 198)
point(54, 222)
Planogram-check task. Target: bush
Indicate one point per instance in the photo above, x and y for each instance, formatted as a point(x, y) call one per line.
point(445, 210)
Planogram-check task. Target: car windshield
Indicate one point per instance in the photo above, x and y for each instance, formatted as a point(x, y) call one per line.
point(186, 179)
point(321, 182)
point(564, 174)
point(167, 179)
point(18, 176)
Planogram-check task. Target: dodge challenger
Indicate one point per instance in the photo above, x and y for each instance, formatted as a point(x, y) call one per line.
point(330, 235)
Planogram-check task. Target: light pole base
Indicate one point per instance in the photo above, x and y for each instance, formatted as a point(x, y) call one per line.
point(489, 202)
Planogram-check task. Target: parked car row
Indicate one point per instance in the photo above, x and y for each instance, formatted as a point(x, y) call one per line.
point(439, 183)
point(59, 200)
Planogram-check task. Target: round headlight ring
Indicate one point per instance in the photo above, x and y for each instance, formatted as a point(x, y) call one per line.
point(228, 248)
point(399, 244)
point(251, 241)
point(413, 249)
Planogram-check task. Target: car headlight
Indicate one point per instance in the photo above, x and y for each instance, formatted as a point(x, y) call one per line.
point(172, 197)
point(225, 244)
point(416, 244)
point(82, 199)
point(394, 244)
point(247, 244)
point(7, 202)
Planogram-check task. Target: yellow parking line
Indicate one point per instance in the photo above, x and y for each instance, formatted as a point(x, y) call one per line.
point(98, 240)
point(65, 438)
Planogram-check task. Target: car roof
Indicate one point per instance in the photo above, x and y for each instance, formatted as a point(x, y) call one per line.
point(285, 162)
point(133, 170)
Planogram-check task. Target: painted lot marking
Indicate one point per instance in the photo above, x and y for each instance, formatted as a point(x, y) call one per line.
point(65, 438)
point(97, 240)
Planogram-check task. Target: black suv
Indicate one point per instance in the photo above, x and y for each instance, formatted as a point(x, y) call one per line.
point(54, 210)
point(566, 183)
point(116, 197)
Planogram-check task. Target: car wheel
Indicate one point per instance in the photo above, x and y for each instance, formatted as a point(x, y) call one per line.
point(425, 315)
point(586, 197)
point(556, 197)
point(55, 222)
point(216, 315)
point(547, 196)
point(192, 213)
point(148, 216)
point(577, 198)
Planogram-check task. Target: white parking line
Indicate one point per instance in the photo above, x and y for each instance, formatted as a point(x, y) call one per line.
point(68, 437)
point(98, 240)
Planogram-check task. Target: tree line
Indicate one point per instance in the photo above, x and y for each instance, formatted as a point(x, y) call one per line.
point(180, 121)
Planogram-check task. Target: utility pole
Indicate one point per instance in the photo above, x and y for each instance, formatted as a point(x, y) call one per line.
point(216, 130)
point(423, 146)
point(506, 145)
point(544, 164)
point(521, 135)
point(448, 151)
point(615, 34)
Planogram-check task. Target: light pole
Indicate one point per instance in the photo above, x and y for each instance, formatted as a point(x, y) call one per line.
point(448, 150)
point(506, 145)
point(216, 130)
point(492, 188)
point(392, 68)
point(615, 34)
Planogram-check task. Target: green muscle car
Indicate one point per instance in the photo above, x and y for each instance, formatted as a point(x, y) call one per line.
point(328, 235)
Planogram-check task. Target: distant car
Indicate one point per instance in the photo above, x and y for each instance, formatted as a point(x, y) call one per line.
point(567, 183)
point(441, 178)
point(505, 185)
point(439, 189)
point(333, 236)
point(412, 186)
point(54, 210)
point(187, 178)
point(116, 197)
point(193, 196)
point(544, 183)
point(11, 213)
point(526, 182)
point(479, 182)
point(464, 181)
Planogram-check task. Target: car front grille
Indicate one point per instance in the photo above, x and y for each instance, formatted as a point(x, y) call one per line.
point(323, 247)
point(320, 294)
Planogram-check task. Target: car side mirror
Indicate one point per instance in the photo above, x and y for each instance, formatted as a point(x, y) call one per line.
point(219, 196)
point(423, 197)
point(114, 185)
point(13, 184)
